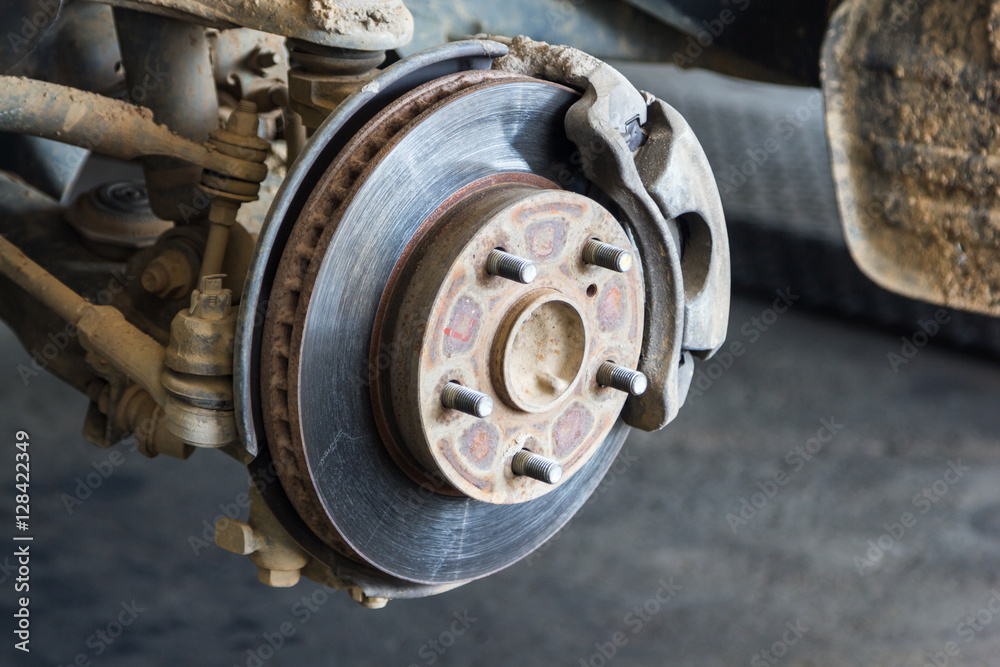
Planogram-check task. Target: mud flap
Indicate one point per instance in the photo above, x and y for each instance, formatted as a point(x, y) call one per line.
point(912, 92)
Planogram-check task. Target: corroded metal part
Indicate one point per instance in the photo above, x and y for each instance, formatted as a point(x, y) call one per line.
point(107, 126)
point(377, 562)
point(350, 24)
point(911, 107)
point(445, 319)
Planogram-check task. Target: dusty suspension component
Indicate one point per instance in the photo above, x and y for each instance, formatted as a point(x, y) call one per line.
point(239, 139)
point(168, 70)
point(199, 367)
point(325, 76)
point(115, 219)
point(278, 558)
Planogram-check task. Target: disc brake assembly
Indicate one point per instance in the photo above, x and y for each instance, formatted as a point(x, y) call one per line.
point(484, 267)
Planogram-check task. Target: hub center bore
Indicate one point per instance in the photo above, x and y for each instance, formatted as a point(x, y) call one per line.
point(539, 351)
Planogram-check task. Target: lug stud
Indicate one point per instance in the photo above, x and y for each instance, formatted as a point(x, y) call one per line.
point(536, 467)
point(621, 378)
point(511, 267)
point(469, 401)
point(607, 256)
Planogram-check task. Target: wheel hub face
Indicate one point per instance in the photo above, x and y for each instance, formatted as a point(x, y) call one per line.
point(534, 349)
point(325, 438)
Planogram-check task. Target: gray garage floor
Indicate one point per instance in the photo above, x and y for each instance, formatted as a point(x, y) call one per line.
point(660, 560)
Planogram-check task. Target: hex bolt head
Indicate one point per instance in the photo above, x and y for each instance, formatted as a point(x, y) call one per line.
point(469, 401)
point(607, 256)
point(536, 466)
point(621, 378)
point(511, 267)
point(211, 301)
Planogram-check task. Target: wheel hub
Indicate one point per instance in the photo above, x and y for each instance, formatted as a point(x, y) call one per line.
point(532, 350)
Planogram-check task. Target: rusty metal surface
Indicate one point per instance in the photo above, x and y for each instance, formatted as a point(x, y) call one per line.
point(912, 122)
point(350, 24)
point(449, 320)
point(386, 321)
point(347, 442)
point(104, 125)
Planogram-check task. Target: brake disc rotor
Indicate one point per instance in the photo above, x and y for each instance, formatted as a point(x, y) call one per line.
point(386, 187)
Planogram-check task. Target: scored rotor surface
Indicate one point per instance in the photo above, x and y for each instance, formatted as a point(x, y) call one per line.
point(347, 241)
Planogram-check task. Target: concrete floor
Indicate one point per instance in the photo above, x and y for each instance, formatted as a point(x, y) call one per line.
point(658, 560)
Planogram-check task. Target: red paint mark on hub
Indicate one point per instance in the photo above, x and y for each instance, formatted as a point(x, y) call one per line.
point(463, 325)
